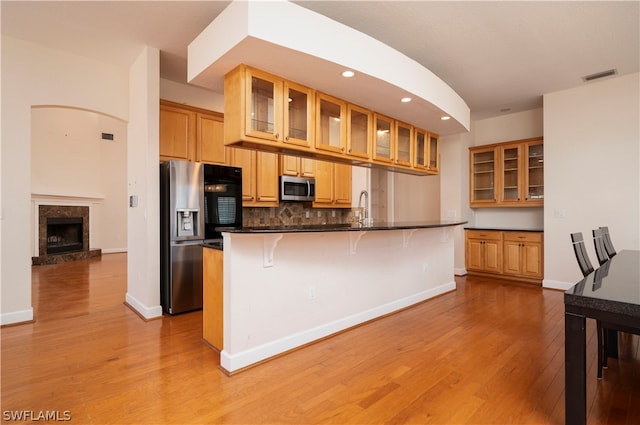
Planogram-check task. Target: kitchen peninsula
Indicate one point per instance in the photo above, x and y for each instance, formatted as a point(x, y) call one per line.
point(284, 287)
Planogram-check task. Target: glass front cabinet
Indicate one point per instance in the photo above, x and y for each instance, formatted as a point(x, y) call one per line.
point(384, 135)
point(508, 174)
point(330, 124)
point(267, 109)
point(483, 177)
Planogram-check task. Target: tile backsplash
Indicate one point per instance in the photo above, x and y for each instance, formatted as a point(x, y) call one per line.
point(295, 214)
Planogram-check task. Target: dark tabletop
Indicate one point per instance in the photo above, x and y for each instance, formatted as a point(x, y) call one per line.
point(613, 287)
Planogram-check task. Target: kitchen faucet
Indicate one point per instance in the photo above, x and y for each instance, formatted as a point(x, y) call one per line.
point(365, 211)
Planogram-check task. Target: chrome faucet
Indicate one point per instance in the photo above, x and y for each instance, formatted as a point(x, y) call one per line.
point(364, 212)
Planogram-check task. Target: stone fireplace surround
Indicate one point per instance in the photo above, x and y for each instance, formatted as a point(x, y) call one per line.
point(62, 211)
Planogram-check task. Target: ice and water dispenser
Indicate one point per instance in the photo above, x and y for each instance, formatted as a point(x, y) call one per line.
point(187, 222)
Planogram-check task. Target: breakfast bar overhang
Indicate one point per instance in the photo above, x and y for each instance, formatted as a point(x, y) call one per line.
point(284, 287)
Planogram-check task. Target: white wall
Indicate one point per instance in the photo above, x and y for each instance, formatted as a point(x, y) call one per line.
point(69, 159)
point(592, 162)
point(416, 198)
point(454, 189)
point(191, 95)
point(143, 265)
point(35, 75)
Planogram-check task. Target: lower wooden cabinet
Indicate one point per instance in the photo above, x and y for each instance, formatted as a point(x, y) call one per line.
point(483, 251)
point(510, 254)
point(212, 318)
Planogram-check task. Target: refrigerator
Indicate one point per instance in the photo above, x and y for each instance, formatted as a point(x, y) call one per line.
point(181, 235)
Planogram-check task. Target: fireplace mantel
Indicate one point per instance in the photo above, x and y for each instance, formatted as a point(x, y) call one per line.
point(38, 200)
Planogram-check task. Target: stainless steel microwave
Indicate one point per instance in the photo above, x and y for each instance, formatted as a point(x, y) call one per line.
point(297, 189)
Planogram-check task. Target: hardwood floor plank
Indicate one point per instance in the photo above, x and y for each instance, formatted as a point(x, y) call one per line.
point(490, 352)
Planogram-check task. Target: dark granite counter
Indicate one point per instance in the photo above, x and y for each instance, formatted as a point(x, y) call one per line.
point(505, 229)
point(343, 227)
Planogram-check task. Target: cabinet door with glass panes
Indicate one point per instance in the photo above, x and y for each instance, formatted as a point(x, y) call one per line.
point(264, 105)
point(403, 146)
point(298, 117)
point(265, 109)
point(534, 172)
point(510, 190)
point(434, 152)
point(383, 138)
point(420, 149)
point(359, 127)
point(330, 129)
point(483, 176)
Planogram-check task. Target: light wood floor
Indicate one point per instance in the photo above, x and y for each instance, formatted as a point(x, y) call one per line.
point(489, 353)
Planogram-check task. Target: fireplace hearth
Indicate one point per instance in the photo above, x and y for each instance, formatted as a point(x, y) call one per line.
point(63, 234)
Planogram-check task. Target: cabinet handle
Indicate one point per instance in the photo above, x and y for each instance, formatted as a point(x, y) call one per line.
point(287, 139)
point(277, 135)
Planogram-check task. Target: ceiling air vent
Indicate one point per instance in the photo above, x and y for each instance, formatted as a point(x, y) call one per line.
point(598, 75)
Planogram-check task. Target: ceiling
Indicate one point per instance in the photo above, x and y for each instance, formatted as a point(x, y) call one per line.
point(499, 56)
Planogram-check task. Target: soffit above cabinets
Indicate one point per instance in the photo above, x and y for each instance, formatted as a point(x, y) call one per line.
point(300, 45)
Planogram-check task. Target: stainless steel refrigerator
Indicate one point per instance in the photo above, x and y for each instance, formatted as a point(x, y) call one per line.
point(181, 235)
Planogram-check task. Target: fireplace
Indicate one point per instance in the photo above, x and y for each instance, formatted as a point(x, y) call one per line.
point(63, 234)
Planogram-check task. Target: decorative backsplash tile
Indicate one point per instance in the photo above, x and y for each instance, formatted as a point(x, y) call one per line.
point(295, 214)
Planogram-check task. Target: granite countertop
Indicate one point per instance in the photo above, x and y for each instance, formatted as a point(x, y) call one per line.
point(407, 225)
point(505, 229)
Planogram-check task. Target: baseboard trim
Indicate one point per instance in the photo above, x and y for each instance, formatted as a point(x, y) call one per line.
point(231, 363)
point(460, 271)
point(16, 317)
point(555, 284)
point(144, 311)
point(114, 250)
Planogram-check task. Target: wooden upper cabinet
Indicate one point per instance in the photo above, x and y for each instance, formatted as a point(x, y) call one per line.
point(510, 189)
point(342, 185)
point(177, 133)
point(266, 109)
point(191, 134)
point(533, 152)
point(359, 132)
point(269, 113)
point(333, 185)
point(210, 139)
point(483, 176)
point(247, 160)
point(420, 149)
point(259, 176)
point(403, 151)
point(383, 138)
point(434, 153)
point(299, 115)
point(507, 174)
point(330, 124)
point(297, 167)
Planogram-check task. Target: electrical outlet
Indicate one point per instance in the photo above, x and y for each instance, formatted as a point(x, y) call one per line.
point(306, 214)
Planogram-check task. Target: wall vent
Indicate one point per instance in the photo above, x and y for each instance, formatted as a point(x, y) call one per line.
point(601, 74)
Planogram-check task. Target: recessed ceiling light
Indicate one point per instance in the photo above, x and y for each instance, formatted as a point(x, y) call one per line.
point(446, 117)
point(405, 100)
point(348, 74)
